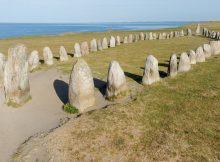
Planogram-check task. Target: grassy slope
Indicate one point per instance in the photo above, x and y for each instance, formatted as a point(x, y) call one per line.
point(176, 119)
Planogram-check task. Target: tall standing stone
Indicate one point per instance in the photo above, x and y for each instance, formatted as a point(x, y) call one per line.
point(215, 47)
point(136, 38)
point(99, 44)
point(146, 36)
point(189, 32)
point(151, 72)
point(125, 41)
point(198, 30)
point(172, 69)
point(118, 41)
point(112, 42)
point(84, 48)
point(63, 54)
point(77, 50)
point(151, 36)
point(2, 67)
point(184, 64)
point(142, 37)
point(93, 46)
point(130, 38)
point(16, 80)
point(105, 43)
point(192, 57)
point(48, 56)
point(182, 33)
point(81, 86)
point(116, 82)
point(207, 50)
point(200, 57)
point(33, 60)
point(155, 36)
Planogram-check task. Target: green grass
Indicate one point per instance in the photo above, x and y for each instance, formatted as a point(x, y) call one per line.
point(70, 109)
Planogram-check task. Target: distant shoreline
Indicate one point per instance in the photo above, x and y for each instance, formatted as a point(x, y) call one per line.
point(16, 30)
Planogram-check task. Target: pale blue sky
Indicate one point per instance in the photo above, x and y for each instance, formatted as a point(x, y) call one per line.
point(108, 11)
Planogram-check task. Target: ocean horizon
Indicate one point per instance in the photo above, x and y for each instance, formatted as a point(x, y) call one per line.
point(10, 30)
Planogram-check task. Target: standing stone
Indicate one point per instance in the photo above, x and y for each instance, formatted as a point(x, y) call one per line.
point(130, 38)
point(146, 36)
point(151, 36)
point(215, 47)
point(34, 60)
point(200, 57)
point(168, 36)
point(99, 44)
point(184, 64)
point(105, 43)
point(118, 41)
point(207, 50)
point(171, 34)
point(142, 36)
point(125, 41)
point(84, 48)
point(77, 50)
point(151, 72)
point(136, 38)
point(154, 35)
point(172, 69)
point(48, 56)
point(93, 46)
point(189, 32)
point(160, 36)
point(81, 86)
point(112, 42)
point(2, 67)
point(198, 29)
point(182, 33)
point(16, 81)
point(63, 54)
point(192, 57)
point(116, 82)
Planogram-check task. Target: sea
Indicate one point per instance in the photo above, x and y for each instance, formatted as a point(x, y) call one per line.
point(10, 30)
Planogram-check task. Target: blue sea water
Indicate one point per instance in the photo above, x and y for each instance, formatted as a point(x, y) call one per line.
point(8, 30)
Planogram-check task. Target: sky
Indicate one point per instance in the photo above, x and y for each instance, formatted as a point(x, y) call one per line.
point(73, 11)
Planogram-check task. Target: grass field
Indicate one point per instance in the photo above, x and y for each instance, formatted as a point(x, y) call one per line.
point(173, 120)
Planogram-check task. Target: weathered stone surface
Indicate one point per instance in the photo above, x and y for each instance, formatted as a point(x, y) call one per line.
point(77, 50)
point(130, 38)
point(215, 47)
point(81, 86)
point(99, 44)
point(2, 67)
point(151, 72)
point(207, 50)
point(16, 80)
point(105, 43)
point(171, 34)
point(160, 36)
point(142, 37)
point(182, 33)
point(33, 60)
point(116, 82)
point(172, 69)
point(155, 36)
point(63, 54)
point(136, 38)
point(200, 57)
point(151, 36)
point(48, 56)
point(198, 30)
point(118, 41)
point(112, 42)
point(192, 57)
point(146, 36)
point(84, 48)
point(184, 64)
point(93, 46)
point(189, 32)
point(125, 41)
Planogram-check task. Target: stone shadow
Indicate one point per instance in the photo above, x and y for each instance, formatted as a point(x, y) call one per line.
point(135, 77)
point(163, 74)
point(62, 89)
point(100, 85)
point(41, 61)
point(163, 64)
point(70, 54)
point(57, 58)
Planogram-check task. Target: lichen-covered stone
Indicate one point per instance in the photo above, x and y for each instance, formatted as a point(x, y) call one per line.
point(81, 86)
point(151, 72)
point(48, 56)
point(63, 54)
point(184, 64)
point(84, 48)
point(200, 57)
point(172, 69)
point(105, 43)
point(33, 60)
point(116, 82)
point(93, 46)
point(2, 67)
point(16, 80)
point(192, 57)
